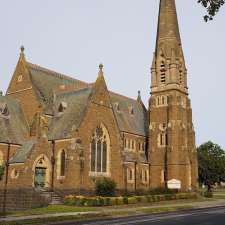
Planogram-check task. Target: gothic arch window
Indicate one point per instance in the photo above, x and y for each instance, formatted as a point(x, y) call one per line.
point(63, 163)
point(100, 150)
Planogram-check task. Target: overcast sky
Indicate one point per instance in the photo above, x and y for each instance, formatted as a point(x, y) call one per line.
point(74, 36)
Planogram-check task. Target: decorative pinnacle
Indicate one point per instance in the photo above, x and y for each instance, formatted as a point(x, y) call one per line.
point(101, 66)
point(22, 49)
point(139, 96)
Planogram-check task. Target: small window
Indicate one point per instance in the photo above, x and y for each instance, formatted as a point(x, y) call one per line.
point(129, 144)
point(131, 110)
point(117, 106)
point(62, 107)
point(4, 110)
point(20, 78)
point(163, 139)
point(139, 146)
point(130, 174)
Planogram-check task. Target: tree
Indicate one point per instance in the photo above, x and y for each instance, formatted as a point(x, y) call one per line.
point(212, 7)
point(211, 159)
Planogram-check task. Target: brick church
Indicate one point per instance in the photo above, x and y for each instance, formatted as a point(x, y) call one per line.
point(61, 133)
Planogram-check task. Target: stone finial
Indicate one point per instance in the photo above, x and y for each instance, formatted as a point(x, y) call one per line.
point(100, 73)
point(22, 49)
point(139, 96)
point(101, 66)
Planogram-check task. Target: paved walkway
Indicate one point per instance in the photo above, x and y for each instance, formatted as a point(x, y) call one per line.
point(132, 208)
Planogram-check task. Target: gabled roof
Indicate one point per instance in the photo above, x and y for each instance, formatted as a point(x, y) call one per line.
point(22, 153)
point(13, 127)
point(136, 122)
point(64, 123)
point(46, 81)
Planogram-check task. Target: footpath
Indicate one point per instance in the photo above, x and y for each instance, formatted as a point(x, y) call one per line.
point(131, 209)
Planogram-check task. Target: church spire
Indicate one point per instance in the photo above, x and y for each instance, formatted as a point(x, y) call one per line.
point(168, 28)
point(168, 67)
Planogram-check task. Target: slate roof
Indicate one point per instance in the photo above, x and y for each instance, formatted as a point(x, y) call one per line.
point(45, 81)
point(62, 123)
point(13, 128)
point(135, 123)
point(22, 153)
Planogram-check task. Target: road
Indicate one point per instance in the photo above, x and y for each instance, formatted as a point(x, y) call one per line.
point(211, 216)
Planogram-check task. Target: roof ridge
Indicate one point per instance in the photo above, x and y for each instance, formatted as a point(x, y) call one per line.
point(72, 91)
point(120, 95)
point(54, 73)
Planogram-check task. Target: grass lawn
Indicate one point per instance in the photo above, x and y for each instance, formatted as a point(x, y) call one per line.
point(52, 209)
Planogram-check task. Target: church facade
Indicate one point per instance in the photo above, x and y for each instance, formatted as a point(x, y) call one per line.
point(60, 133)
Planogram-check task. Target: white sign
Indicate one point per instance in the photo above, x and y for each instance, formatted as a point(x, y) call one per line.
point(174, 184)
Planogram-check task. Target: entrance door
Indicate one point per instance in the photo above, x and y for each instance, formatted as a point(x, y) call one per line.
point(40, 177)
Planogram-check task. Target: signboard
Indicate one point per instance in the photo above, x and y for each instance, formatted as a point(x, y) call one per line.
point(174, 184)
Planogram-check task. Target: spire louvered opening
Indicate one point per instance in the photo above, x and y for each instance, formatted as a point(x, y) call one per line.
point(162, 72)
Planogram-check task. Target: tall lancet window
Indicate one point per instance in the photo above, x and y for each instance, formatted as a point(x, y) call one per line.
point(162, 72)
point(63, 163)
point(100, 150)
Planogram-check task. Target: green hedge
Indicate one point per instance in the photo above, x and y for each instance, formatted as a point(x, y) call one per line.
point(109, 201)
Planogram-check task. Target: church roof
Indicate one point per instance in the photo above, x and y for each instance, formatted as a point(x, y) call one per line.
point(63, 123)
point(46, 81)
point(130, 114)
point(13, 126)
point(22, 153)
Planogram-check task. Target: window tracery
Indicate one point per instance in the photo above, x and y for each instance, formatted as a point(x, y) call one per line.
point(99, 150)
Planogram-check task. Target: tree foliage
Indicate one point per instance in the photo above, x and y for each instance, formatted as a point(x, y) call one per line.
point(211, 159)
point(212, 7)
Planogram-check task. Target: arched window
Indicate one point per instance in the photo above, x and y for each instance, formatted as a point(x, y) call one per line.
point(99, 150)
point(62, 163)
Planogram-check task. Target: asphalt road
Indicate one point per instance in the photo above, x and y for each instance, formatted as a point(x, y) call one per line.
point(212, 216)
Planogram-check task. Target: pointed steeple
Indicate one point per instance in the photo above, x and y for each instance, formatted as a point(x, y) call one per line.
point(168, 34)
point(168, 57)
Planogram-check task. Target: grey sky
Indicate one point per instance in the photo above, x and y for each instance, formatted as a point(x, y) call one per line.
point(74, 36)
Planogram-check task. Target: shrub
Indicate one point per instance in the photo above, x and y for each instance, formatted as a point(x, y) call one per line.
point(208, 194)
point(1, 172)
point(105, 187)
point(160, 191)
point(132, 200)
point(125, 200)
point(120, 200)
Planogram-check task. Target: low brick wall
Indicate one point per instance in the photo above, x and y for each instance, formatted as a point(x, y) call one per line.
point(19, 199)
